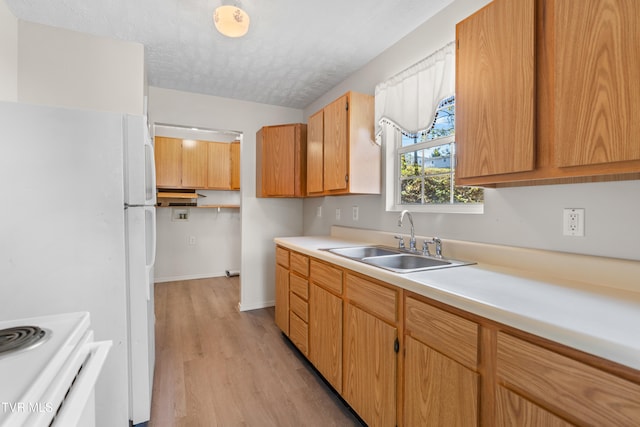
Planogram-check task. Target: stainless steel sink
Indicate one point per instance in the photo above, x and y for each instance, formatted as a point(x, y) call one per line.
point(397, 260)
point(360, 252)
point(403, 263)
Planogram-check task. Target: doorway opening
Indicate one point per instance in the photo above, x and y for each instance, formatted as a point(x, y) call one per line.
point(198, 215)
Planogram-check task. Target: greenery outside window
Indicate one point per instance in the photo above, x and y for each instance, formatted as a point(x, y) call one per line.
point(425, 165)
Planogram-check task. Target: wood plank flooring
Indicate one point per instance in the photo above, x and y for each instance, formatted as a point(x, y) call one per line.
point(216, 366)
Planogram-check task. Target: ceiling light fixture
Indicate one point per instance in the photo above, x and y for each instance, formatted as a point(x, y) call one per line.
point(231, 21)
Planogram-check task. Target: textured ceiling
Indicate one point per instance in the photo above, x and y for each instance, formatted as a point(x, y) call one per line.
point(294, 52)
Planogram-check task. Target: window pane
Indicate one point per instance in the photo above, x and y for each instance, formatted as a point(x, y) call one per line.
point(438, 160)
point(468, 195)
point(437, 189)
point(411, 163)
point(411, 191)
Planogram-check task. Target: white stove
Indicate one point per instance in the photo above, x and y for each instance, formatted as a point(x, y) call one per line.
point(49, 382)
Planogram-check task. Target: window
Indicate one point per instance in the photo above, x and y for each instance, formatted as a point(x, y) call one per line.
point(425, 165)
point(415, 120)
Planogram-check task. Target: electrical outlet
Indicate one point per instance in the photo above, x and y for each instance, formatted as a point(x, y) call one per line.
point(319, 212)
point(573, 222)
point(356, 213)
point(338, 214)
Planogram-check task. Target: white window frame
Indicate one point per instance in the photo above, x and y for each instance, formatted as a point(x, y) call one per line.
point(393, 149)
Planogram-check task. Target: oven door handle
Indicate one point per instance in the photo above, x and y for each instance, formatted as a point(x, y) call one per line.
point(74, 404)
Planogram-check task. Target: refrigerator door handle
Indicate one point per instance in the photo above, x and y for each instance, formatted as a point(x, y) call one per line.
point(153, 233)
point(150, 170)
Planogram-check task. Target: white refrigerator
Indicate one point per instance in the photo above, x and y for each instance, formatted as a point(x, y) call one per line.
point(77, 233)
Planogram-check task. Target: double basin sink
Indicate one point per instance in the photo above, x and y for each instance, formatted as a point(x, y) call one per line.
point(396, 260)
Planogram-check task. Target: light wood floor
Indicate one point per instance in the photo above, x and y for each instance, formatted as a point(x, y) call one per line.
point(216, 366)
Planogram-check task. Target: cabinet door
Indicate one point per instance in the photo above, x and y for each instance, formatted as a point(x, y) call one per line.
point(194, 163)
point(325, 334)
point(235, 165)
point(597, 81)
point(566, 387)
point(335, 145)
point(495, 76)
point(437, 390)
point(315, 152)
point(370, 367)
point(219, 169)
point(282, 298)
point(514, 410)
point(278, 171)
point(168, 152)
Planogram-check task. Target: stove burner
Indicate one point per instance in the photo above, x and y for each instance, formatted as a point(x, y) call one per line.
point(21, 338)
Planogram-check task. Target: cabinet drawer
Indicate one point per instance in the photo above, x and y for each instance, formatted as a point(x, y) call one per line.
point(299, 307)
point(445, 332)
point(299, 286)
point(328, 277)
point(377, 299)
point(299, 333)
point(282, 256)
point(300, 264)
point(565, 385)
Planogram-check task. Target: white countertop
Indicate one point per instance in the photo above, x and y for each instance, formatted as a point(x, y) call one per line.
point(598, 320)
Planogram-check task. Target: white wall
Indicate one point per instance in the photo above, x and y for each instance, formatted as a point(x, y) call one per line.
point(261, 219)
point(8, 54)
point(70, 69)
point(217, 240)
point(522, 216)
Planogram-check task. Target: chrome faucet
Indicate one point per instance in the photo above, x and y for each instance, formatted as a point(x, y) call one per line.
point(412, 241)
point(436, 241)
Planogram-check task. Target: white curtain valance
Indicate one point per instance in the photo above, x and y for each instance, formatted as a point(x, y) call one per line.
point(409, 99)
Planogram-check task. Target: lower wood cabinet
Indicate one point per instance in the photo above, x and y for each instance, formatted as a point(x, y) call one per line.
point(402, 359)
point(371, 350)
point(441, 358)
point(325, 321)
point(282, 290)
point(299, 308)
point(560, 385)
point(325, 334)
point(514, 410)
point(438, 391)
point(370, 367)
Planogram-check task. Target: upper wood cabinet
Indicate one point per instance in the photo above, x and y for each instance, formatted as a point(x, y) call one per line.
point(168, 152)
point(343, 157)
point(597, 81)
point(281, 161)
point(548, 91)
point(235, 165)
point(315, 153)
point(219, 170)
point(495, 90)
point(193, 164)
